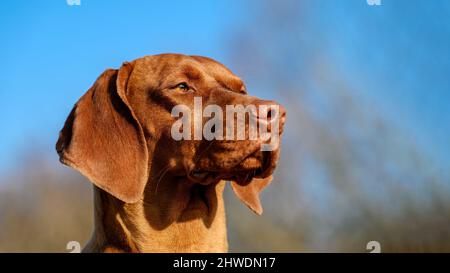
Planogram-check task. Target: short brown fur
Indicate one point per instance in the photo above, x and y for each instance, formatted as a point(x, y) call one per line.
point(152, 193)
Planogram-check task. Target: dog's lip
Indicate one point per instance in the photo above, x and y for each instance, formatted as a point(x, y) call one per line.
point(206, 177)
point(203, 177)
point(199, 174)
point(242, 176)
point(211, 177)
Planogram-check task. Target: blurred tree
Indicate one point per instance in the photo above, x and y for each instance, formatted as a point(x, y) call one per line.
point(347, 176)
point(43, 206)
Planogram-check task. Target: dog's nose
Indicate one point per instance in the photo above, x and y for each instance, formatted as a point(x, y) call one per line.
point(282, 113)
point(274, 113)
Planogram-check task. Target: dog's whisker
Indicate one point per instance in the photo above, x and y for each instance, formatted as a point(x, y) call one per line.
point(162, 174)
point(203, 152)
point(246, 177)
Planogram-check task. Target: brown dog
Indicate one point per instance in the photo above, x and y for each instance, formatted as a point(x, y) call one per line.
point(153, 193)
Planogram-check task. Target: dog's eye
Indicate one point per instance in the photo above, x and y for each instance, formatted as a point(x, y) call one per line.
point(182, 86)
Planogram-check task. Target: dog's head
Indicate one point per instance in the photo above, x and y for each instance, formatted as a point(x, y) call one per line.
point(184, 115)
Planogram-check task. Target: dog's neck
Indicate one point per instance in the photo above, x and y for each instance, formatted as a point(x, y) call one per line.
point(172, 217)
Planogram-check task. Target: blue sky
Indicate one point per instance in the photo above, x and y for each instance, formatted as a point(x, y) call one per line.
point(51, 53)
point(407, 47)
point(397, 58)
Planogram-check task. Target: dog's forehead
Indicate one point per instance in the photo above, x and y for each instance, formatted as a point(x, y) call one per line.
point(158, 67)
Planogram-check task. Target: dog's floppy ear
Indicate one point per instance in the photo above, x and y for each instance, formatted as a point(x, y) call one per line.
point(249, 192)
point(104, 141)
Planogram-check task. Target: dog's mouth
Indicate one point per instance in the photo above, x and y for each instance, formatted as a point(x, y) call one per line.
point(257, 165)
point(210, 177)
